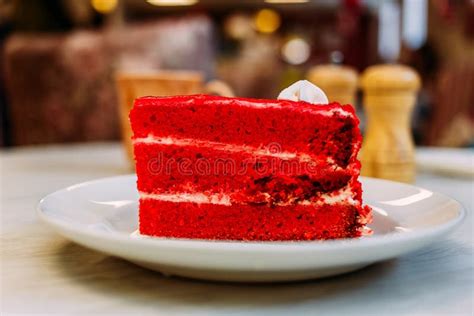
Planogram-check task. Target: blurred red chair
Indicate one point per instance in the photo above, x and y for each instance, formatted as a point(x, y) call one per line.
point(60, 87)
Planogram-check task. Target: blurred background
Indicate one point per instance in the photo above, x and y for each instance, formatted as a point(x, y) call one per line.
point(59, 58)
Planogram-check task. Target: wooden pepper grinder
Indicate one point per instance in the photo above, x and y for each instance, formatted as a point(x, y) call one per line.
point(338, 82)
point(389, 96)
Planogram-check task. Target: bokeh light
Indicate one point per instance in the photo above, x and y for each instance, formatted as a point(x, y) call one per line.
point(170, 3)
point(267, 21)
point(296, 51)
point(286, 1)
point(238, 26)
point(104, 6)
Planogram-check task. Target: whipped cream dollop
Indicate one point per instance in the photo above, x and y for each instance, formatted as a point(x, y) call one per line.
point(304, 90)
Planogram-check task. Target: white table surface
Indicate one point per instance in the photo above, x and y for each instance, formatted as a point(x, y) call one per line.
point(44, 273)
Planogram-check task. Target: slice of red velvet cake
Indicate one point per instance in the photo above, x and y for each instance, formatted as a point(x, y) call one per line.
point(245, 169)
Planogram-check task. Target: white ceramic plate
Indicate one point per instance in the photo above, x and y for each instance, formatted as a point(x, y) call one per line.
point(102, 215)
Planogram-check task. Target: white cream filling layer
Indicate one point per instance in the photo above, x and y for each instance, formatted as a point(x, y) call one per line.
point(345, 196)
point(200, 198)
point(272, 150)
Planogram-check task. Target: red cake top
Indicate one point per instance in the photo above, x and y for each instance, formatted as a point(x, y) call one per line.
point(202, 99)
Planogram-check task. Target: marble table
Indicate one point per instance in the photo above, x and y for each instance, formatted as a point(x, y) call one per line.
point(44, 273)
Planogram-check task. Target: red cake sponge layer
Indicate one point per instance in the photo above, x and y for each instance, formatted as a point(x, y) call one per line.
point(168, 168)
point(247, 222)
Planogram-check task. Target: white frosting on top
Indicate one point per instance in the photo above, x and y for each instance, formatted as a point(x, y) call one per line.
point(304, 90)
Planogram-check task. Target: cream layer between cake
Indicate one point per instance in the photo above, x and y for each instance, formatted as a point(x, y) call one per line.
point(344, 195)
point(269, 150)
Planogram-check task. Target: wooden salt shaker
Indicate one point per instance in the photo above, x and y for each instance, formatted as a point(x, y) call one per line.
point(389, 96)
point(338, 82)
